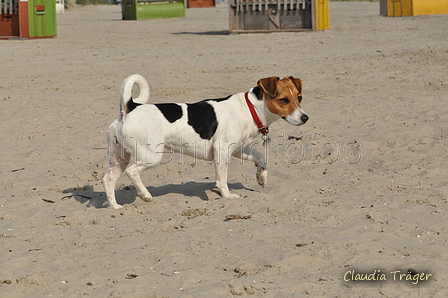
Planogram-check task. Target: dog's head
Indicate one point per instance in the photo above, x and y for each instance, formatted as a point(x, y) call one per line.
point(283, 98)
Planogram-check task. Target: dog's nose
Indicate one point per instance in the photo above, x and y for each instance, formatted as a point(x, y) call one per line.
point(304, 118)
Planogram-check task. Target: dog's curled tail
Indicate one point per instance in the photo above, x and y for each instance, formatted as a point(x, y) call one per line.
point(127, 103)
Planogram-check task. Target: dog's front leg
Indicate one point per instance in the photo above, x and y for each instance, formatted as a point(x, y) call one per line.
point(222, 160)
point(247, 153)
point(221, 180)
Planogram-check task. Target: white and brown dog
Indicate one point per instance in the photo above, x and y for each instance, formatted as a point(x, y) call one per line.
point(212, 129)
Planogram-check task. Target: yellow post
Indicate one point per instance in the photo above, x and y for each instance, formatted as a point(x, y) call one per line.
point(394, 8)
point(399, 8)
point(323, 14)
point(406, 8)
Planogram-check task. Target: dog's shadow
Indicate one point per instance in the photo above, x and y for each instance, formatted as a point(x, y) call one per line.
point(128, 194)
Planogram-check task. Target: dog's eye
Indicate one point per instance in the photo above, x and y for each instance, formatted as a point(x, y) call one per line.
point(284, 100)
point(300, 98)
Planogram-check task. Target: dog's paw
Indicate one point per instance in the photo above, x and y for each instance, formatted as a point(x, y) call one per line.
point(115, 206)
point(231, 196)
point(146, 198)
point(262, 176)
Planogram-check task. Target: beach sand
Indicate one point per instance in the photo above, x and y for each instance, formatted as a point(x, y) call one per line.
point(361, 187)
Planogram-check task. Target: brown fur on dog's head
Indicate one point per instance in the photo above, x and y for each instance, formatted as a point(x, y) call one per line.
point(282, 96)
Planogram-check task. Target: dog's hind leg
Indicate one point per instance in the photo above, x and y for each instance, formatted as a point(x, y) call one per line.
point(145, 156)
point(258, 159)
point(117, 164)
point(133, 172)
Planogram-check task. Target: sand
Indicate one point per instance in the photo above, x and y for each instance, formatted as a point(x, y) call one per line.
point(361, 188)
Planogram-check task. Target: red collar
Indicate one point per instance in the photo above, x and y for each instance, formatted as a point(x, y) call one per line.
point(264, 130)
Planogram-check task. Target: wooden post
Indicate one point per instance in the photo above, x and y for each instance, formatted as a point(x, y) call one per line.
point(24, 26)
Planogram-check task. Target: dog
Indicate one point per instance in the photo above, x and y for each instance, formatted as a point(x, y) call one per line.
point(211, 129)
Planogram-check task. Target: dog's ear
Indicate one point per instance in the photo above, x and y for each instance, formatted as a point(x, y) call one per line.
point(297, 83)
point(269, 85)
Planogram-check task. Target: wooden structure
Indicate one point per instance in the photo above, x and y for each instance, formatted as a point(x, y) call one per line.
point(200, 3)
point(278, 15)
point(23, 19)
point(402, 8)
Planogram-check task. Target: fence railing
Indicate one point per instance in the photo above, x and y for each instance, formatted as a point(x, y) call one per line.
point(9, 7)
